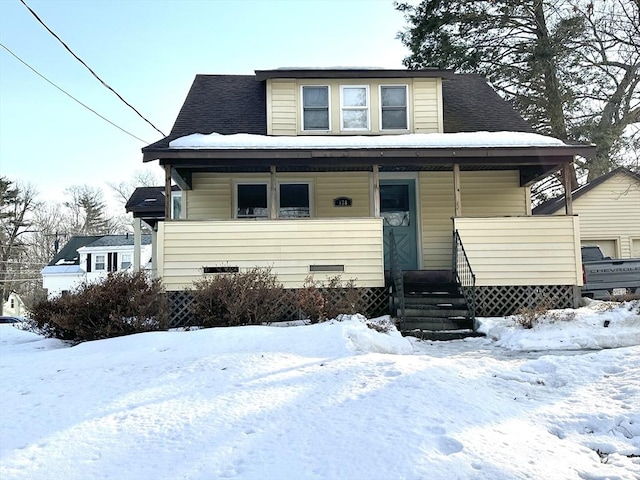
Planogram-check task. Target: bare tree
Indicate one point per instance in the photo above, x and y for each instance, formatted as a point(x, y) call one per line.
point(17, 202)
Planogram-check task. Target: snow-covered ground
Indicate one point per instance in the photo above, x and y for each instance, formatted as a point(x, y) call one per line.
point(336, 400)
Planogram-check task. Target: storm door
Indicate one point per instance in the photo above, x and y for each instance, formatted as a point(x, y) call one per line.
point(398, 209)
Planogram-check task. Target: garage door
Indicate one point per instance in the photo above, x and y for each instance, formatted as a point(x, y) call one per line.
point(635, 247)
point(608, 247)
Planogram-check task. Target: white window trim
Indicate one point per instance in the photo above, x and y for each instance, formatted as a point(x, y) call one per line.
point(174, 195)
point(235, 198)
point(309, 184)
point(104, 262)
point(343, 108)
point(121, 258)
point(406, 89)
point(302, 87)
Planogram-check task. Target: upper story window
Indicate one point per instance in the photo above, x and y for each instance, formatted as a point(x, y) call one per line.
point(393, 107)
point(315, 108)
point(354, 104)
point(99, 265)
point(251, 200)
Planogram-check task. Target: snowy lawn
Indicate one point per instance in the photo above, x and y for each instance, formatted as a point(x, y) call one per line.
point(336, 400)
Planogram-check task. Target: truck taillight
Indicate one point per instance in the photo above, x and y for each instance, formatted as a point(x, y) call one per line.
point(584, 276)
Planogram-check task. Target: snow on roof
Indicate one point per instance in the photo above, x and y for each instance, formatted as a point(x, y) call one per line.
point(61, 269)
point(413, 140)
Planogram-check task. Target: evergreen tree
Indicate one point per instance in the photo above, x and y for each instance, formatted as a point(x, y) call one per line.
point(570, 67)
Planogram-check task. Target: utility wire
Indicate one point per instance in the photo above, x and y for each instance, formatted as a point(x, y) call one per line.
point(89, 68)
point(69, 95)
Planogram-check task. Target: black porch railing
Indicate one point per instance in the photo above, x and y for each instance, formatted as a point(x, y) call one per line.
point(464, 275)
point(397, 280)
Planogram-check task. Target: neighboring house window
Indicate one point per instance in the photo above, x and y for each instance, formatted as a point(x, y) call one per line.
point(354, 102)
point(99, 262)
point(176, 204)
point(294, 200)
point(251, 200)
point(13, 304)
point(125, 262)
point(393, 107)
point(315, 108)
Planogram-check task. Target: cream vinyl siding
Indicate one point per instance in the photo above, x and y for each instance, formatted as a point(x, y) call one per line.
point(212, 194)
point(427, 109)
point(290, 247)
point(211, 197)
point(610, 212)
point(484, 193)
point(284, 105)
point(522, 250)
point(331, 185)
point(282, 117)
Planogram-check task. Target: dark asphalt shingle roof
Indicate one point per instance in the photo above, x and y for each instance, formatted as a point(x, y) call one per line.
point(69, 253)
point(147, 200)
point(554, 204)
point(229, 104)
point(119, 241)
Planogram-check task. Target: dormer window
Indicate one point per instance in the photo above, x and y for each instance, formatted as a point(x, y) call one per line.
point(393, 107)
point(354, 104)
point(315, 108)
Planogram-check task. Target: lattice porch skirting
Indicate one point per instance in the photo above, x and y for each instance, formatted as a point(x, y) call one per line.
point(502, 300)
point(375, 299)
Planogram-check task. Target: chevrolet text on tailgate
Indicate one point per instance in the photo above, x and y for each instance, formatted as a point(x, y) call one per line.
point(605, 278)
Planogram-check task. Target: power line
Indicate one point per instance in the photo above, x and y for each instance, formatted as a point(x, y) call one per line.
point(89, 68)
point(69, 95)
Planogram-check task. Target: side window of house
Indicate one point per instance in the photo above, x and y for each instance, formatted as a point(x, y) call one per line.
point(393, 107)
point(176, 204)
point(251, 200)
point(294, 200)
point(125, 262)
point(315, 108)
point(99, 262)
point(354, 105)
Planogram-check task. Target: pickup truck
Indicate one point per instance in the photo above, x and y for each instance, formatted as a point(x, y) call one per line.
point(605, 278)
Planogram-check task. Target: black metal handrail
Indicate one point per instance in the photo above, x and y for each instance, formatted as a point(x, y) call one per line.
point(464, 275)
point(397, 277)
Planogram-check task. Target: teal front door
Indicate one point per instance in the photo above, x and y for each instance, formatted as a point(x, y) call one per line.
point(398, 210)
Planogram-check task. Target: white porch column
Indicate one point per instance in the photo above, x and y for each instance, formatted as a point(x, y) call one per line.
point(137, 242)
point(154, 252)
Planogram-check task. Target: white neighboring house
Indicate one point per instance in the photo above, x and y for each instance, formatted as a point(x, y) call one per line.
point(91, 258)
point(14, 306)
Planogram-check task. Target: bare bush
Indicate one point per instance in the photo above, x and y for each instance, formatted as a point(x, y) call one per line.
point(251, 297)
point(320, 301)
point(122, 304)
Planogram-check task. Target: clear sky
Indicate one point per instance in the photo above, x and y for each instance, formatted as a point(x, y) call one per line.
point(149, 51)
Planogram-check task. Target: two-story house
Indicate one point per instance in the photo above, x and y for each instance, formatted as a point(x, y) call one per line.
point(359, 172)
point(90, 259)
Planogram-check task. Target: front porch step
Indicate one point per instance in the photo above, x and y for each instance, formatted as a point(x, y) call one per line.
point(435, 324)
point(432, 303)
point(442, 336)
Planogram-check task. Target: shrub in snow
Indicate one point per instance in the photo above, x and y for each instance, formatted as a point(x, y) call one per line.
point(320, 301)
point(251, 297)
point(122, 304)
